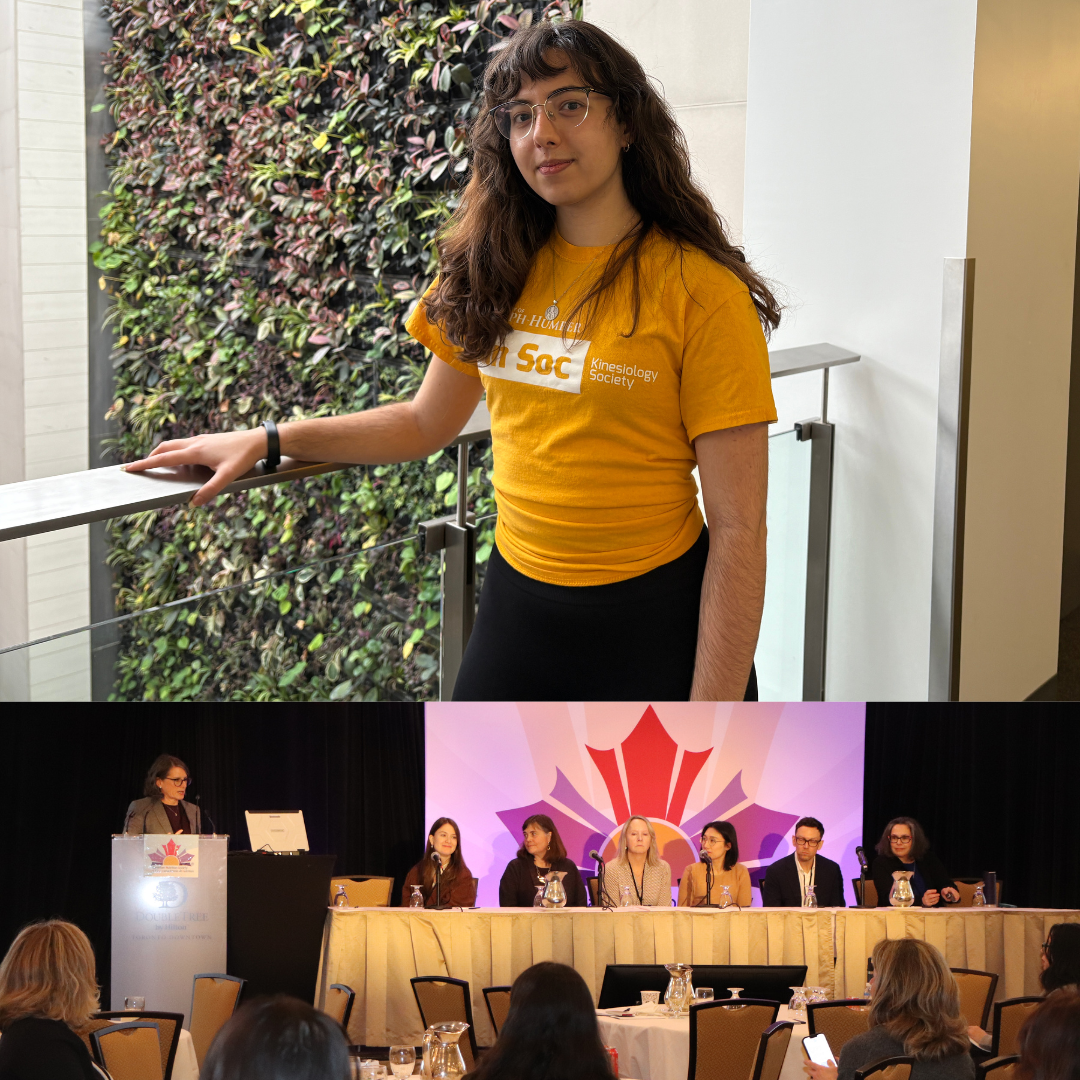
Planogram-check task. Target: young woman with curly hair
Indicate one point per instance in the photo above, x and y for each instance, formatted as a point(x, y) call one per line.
point(587, 285)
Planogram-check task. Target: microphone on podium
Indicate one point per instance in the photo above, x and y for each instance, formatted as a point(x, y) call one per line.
point(198, 803)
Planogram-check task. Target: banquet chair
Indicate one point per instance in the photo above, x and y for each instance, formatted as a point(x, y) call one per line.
point(725, 1039)
point(168, 1024)
point(894, 1068)
point(213, 1001)
point(999, 1068)
point(363, 891)
point(976, 994)
point(96, 1022)
point(339, 1003)
point(497, 999)
point(592, 885)
point(838, 1021)
point(772, 1049)
point(440, 999)
point(129, 1051)
point(871, 892)
point(1009, 1017)
point(966, 889)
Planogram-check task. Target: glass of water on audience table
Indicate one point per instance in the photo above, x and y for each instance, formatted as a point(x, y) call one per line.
point(402, 1060)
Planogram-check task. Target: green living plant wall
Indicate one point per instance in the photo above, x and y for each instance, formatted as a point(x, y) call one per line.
point(278, 174)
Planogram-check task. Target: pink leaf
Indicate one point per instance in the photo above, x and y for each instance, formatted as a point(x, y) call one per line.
point(365, 82)
point(318, 339)
point(508, 20)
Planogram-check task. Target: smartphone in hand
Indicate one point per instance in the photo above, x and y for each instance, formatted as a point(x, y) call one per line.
point(818, 1050)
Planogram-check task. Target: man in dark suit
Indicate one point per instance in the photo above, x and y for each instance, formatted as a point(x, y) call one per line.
point(786, 880)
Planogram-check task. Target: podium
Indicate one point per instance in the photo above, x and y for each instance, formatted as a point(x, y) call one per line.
point(277, 911)
point(169, 917)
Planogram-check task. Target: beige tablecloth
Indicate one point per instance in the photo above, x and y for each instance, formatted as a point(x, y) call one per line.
point(377, 950)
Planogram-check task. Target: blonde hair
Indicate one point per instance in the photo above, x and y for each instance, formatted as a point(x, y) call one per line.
point(49, 973)
point(916, 999)
point(652, 857)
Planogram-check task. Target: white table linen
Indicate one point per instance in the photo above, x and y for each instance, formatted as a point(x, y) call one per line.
point(655, 1047)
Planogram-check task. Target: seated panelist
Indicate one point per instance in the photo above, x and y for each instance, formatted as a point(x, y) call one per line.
point(786, 880)
point(542, 851)
point(163, 810)
point(457, 888)
point(903, 846)
point(639, 868)
point(720, 845)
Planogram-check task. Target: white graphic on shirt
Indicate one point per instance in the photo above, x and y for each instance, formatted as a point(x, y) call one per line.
point(539, 360)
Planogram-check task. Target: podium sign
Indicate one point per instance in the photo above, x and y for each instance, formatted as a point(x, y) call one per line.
point(169, 909)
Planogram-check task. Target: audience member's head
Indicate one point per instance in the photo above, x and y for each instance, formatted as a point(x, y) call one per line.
point(638, 837)
point(916, 999)
point(1061, 955)
point(550, 1032)
point(160, 780)
point(1050, 1040)
point(904, 838)
point(278, 1038)
point(49, 973)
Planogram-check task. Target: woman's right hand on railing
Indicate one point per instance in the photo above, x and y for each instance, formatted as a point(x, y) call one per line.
point(230, 455)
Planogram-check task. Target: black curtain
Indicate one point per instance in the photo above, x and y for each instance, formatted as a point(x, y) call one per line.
point(994, 786)
point(356, 771)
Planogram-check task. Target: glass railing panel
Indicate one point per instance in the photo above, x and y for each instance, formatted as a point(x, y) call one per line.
point(363, 626)
point(779, 657)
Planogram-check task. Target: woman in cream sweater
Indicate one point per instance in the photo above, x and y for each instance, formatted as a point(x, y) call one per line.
point(639, 868)
point(720, 844)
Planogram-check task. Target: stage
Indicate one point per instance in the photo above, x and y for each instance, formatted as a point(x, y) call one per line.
point(377, 950)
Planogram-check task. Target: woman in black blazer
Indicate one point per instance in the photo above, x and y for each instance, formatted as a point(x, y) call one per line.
point(48, 991)
point(541, 851)
point(903, 846)
point(164, 809)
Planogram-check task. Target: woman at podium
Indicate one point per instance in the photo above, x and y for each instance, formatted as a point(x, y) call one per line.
point(457, 887)
point(163, 809)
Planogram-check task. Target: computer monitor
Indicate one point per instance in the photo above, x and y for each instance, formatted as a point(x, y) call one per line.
point(276, 830)
point(623, 983)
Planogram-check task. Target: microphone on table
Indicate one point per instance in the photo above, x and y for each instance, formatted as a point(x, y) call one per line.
point(702, 857)
point(861, 854)
point(438, 878)
point(597, 856)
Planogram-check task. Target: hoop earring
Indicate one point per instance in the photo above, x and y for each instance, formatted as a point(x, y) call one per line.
point(625, 148)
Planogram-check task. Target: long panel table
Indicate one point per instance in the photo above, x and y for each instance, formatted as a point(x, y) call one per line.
point(376, 951)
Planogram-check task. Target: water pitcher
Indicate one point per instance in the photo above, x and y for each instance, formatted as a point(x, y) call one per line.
point(446, 1060)
point(430, 1041)
point(680, 991)
point(554, 891)
point(900, 895)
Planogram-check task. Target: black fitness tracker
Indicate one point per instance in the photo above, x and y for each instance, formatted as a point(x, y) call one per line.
point(273, 447)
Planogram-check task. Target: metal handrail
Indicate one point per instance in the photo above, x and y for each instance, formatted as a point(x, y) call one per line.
point(29, 507)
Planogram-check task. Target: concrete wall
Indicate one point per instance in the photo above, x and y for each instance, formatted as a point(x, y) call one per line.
point(43, 339)
point(1025, 175)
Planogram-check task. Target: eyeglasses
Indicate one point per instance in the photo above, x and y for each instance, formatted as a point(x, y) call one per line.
point(802, 842)
point(177, 779)
point(566, 109)
point(710, 840)
point(1045, 946)
point(899, 839)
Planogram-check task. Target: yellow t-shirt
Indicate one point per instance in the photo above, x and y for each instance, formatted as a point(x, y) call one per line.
point(592, 436)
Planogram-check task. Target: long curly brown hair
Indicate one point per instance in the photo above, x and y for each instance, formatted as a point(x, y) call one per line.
point(488, 246)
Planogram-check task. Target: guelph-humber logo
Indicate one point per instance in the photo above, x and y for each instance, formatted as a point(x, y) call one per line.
point(648, 760)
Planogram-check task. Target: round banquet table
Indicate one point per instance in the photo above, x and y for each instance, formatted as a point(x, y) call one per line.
point(658, 1047)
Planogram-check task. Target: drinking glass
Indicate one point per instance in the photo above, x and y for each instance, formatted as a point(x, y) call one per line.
point(402, 1060)
point(538, 899)
point(703, 993)
point(134, 1004)
point(417, 898)
point(817, 993)
point(798, 1001)
point(626, 896)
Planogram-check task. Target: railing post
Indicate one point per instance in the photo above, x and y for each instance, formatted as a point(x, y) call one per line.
point(816, 616)
point(458, 583)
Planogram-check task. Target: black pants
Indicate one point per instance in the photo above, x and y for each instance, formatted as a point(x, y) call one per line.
point(633, 640)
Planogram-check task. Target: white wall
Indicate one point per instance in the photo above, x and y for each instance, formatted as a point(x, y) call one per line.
point(43, 339)
point(856, 189)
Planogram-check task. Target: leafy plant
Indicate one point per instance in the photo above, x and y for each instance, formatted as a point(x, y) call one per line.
point(278, 174)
